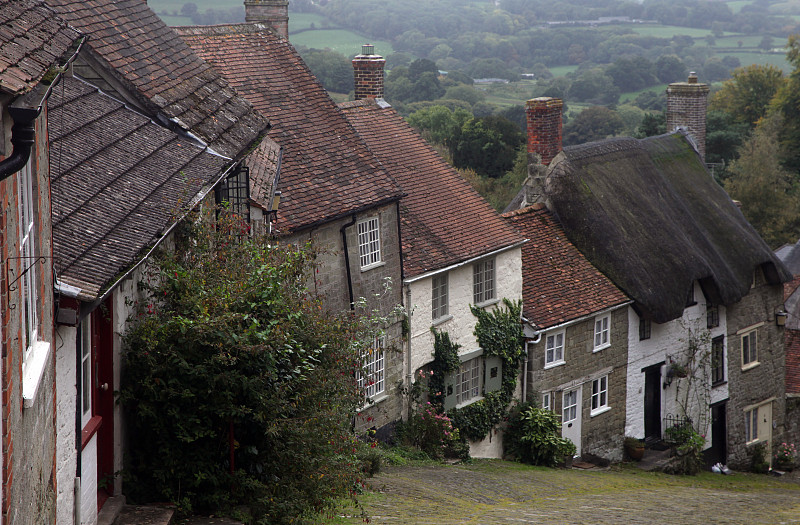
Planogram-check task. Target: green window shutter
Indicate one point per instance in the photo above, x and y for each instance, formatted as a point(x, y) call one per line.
point(493, 374)
point(450, 391)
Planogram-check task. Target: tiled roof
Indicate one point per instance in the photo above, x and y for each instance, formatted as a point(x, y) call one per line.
point(263, 163)
point(32, 39)
point(118, 182)
point(558, 282)
point(163, 73)
point(327, 171)
point(792, 361)
point(444, 220)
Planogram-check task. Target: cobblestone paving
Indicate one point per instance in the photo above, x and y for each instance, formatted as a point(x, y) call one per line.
point(504, 493)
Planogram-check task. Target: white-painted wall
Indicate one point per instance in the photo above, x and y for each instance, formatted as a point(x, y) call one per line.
point(66, 398)
point(461, 323)
point(668, 340)
point(88, 483)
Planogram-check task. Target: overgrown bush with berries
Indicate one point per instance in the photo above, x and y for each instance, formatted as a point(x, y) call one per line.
point(433, 433)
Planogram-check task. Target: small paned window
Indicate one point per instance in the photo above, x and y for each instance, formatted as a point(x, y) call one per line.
point(84, 340)
point(602, 332)
point(751, 425)
point(28, 260)
point(369, 242)
point(712, 316)
point(483, 281)
point(439, 296)
point(717, 361)
point(554, 349)
point(599, 394)
point(570, 406)
point(372, 374)
point(749, 348)
point(233, 193)
point(645, 327)
point(468, 380)
point(546, 401)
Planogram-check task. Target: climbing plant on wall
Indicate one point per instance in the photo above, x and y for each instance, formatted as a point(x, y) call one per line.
point(499, 333)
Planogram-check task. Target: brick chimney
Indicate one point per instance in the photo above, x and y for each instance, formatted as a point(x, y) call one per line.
point(273, 12)
point(368, 73)
point(687, 103)
point(544, 127)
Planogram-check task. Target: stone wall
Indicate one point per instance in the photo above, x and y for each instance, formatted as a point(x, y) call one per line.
point(762, 383)
point(601, 434)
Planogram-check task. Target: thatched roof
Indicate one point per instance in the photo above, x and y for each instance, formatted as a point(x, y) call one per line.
point(648, 215)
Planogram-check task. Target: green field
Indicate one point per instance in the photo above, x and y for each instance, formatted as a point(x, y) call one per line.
point(298, 21)
point(560, 71)
point(627, 97)
point(737, 5)
point(345, 42)
point(174, 6)
point(776, 59)
point(665, 31)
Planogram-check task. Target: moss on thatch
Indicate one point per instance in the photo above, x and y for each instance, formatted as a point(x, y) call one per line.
point(648, 215)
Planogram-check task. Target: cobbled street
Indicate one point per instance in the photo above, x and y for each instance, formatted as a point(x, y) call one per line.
point(490, 492)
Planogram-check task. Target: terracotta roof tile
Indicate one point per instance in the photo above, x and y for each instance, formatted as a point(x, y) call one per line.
point(164, 73)
point(327, 170)
point(558, 282)
point(118, 182)
point(32, 39)
point(792, 361)
point(443, 219)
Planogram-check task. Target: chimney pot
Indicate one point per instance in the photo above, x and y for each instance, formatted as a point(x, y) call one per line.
point(367, 49)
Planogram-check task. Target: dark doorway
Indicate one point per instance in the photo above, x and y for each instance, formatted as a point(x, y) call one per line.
point(103, 349)
point(652, 403)
point(718, 453)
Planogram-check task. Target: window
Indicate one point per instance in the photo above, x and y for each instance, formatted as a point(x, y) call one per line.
point(546, 401)
point(371, 376)
point(483, 281)
point(751, 425)
point(28, 261)
point(570, 406)
point(554, 350)
point(712, 316)
point(439, 296)
point(690, 296)
point(468, 380)
point(749, 348)
point(599, 395)
point(717, 361)
point(85, 351)
point(234, 192)
point(602, 336)
point(369, 242)
point(644, 328)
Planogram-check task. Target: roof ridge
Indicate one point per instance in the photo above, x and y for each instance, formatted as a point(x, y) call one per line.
point(537, 206)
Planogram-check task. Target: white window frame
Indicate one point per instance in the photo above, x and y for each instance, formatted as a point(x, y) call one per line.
point(369, 243)
point(546, 401)
point(602, 332)
point(599, 396)
point(85, 351)
point(569, 406)
point(468, 381)
point(751, 425)
point(483, 281)
point(439, 296)
point(28, 262)
point(372, 375)
point(554, 349)
point(749, 348)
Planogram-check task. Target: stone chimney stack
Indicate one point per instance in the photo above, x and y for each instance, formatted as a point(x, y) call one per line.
point(273, 12)
point(687, 103)
point(368, 73)
point(544, 127)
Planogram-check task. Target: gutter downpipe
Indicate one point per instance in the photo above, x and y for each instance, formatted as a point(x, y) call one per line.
point(535, 340)
point(409, 374)
point(23, 137)
point(347, 260)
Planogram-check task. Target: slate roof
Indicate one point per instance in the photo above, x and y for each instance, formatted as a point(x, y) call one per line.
point(558, 283)
point(163, 73)
point(444, 221)
point(792, 361)
point(32, 39)
point(118, 182)
point(648, 215)
point(327, 172)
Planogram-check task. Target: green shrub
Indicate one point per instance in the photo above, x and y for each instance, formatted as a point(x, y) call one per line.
point(758, 458)
point(534, 436)
point(434, 434)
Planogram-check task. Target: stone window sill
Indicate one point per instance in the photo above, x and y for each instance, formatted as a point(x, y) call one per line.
point(750, 366)
point(33, 372)
point(490, 302)
point(554, 364)
point(601, 347)
point(441, 320)
point(373, 266)
point(374, 401)
point(599, 411)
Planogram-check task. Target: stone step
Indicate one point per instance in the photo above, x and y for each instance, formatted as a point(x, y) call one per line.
point(145, 515)
point(197, 520)
point(111, 509)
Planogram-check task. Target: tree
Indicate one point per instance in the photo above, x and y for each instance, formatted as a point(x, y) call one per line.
point(591, 124)
point(231, 359)
point(769, 200)
point(652, 124)
point(189, 9)
point(670, 68)
point(331, 68)
point(746, 96)
point(724, 136)
point(787, 101)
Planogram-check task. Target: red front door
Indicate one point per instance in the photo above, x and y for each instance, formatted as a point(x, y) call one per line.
point(103, 399)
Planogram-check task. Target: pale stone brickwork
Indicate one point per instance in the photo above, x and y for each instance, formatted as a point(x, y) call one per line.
point(601, 435)
point(273, 12)
point(762, 383)
point(543, 116)
point(687, 103)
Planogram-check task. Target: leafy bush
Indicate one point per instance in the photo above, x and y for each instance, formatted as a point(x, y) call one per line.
point(230, 370)
point(785, 454)
point(534, 436)
point(688, 444)
point(434, 434)
point(758, 458)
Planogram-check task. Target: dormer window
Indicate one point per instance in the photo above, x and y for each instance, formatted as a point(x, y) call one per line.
point(233, 193)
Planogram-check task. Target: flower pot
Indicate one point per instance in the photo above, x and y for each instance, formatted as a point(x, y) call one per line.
point(636, 453)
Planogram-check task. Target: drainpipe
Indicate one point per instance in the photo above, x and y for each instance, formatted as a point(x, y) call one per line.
point(409, 373)
point(535, 340)
point(23, 137)
point(347, 260)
